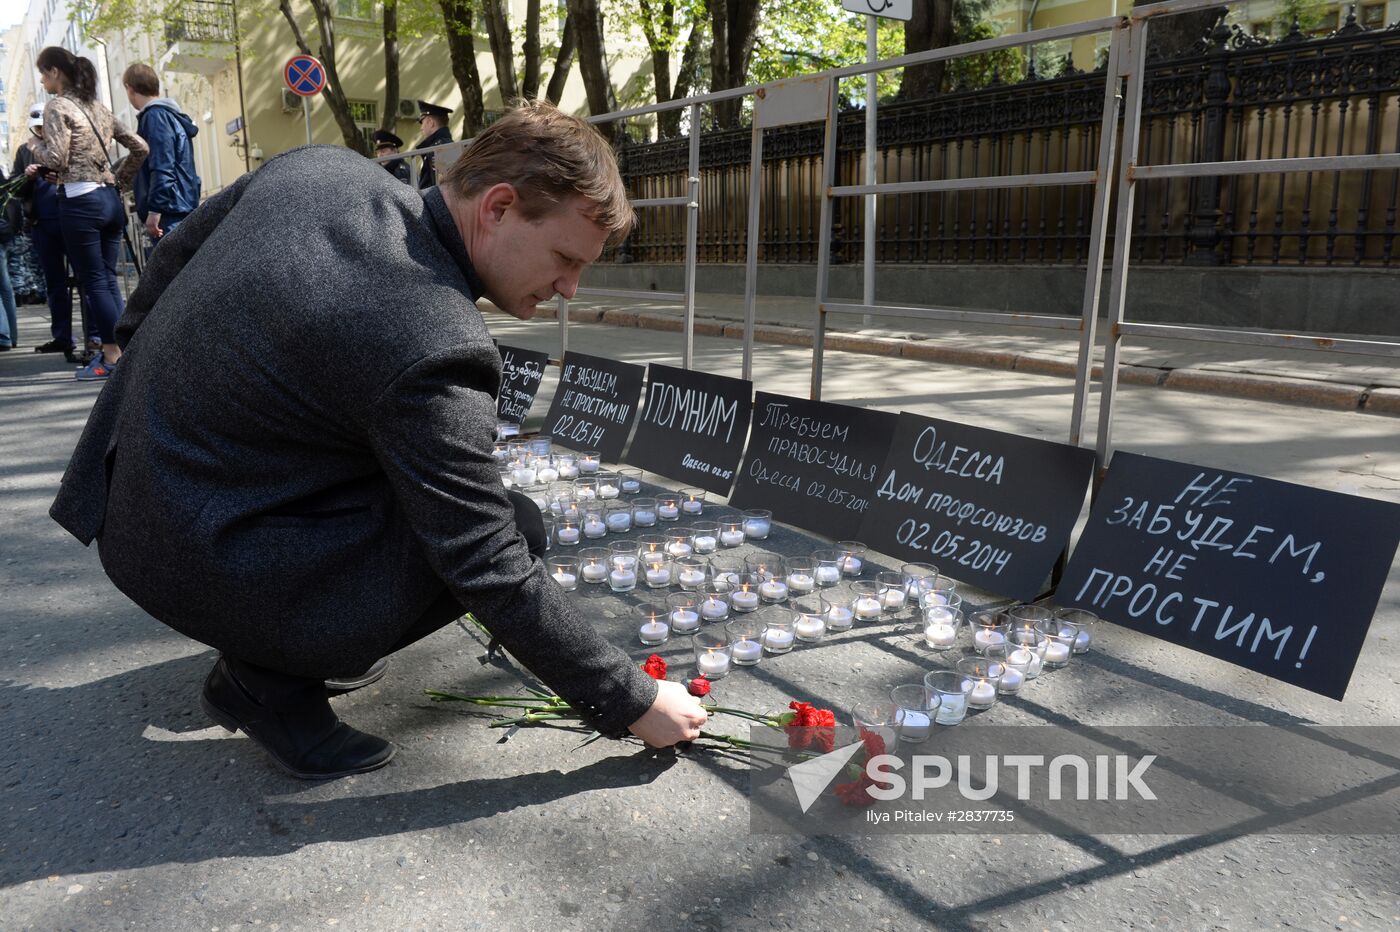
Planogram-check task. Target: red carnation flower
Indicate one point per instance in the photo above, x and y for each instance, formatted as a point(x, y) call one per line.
point(874, 743)
point(655, 667)
point(699, 686)
point(811, 727)
point(857, 792)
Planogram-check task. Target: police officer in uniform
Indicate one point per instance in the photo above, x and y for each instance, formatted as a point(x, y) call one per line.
point(433, 120)
point(386, 143)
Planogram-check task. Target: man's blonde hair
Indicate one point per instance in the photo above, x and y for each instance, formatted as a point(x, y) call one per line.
point(547, 156)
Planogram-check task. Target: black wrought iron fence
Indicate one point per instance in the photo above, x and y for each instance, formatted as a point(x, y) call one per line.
point(1236, 97)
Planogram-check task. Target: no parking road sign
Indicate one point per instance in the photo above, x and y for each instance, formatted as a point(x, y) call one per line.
point(305, 76)
point(889, 9)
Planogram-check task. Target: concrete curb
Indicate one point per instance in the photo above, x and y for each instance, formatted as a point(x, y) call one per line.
point(1303, 392)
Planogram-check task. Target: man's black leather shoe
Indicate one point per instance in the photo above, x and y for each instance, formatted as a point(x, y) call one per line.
point(290, 718)
point(345, 684)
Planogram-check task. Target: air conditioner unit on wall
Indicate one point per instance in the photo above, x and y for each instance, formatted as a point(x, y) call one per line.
point(291, 103)
point(408, 110)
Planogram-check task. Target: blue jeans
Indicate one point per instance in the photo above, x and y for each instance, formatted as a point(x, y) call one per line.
point(9, 327)
point(92, 233)
point(47, 237)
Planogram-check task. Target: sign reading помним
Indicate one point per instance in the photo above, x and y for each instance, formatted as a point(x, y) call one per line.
point(693, 426)
point(1278, 578)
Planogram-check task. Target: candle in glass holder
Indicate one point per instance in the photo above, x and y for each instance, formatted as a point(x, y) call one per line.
point(588, 463)
point(809, 627)
point(714, 609)
point(523, 475)
point(868, 608)
point(913, 724)
point(731, 538)
point(1057, 652)
point(595, 573)
point(566, 580)
point(1012, 679)
point(982, 694)
point(567, 535)
point(773, 590)
point(608, 489)
point(567, 469)
point(839, 618)
point(892, 599)
point(747, 652)
point(693, 506)
point(757, 528)
point(691, 578)
point(622, 580)
point(593, 527)
point(654, 632)
point(940, 633)
point(712, 664)
point(667, 511)
point(547, 474)
point(619, 521)
point(705, 543)
point(743, 600)
point(658, 575)
point(678, 548)
point(801, 583)
point(643, 515)
point(828, 575)
point(685, 619)
point(777, 640)
point(630, 481)
point(726, 579)
point(986, 638)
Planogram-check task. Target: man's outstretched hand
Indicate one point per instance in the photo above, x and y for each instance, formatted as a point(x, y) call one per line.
point(675, 716)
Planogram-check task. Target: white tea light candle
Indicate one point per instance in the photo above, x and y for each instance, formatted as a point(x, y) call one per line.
point(712, 664)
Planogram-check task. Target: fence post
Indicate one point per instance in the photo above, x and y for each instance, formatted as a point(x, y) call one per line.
point(1204, 235)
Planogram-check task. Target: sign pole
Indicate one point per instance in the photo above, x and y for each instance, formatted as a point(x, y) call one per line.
point(871, 130)
point(306, 112)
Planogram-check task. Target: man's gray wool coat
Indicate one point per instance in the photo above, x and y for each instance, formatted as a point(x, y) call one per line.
point(293, 458)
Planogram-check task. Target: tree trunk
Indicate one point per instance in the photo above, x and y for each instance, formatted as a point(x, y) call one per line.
point(461, 47)
point(497, 14)
point(389, 118)
point(564, 61)
point(669, 123)
point(931, 27)
point(592, 56)
point(334, 95)
point(733, 24)
point(530, 83)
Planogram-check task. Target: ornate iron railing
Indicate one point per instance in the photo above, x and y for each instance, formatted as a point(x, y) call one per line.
point(201, 21)
point(1235, 97)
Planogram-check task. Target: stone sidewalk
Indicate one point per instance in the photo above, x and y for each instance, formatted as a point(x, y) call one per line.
point(1343, 382)
point(123, 808)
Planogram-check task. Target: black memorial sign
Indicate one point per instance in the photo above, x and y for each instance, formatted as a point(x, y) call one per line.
point(521, 372)
point(693, 427)
point(985, 507)
point(1278, 578)
point(595, 404)
point(814, 464)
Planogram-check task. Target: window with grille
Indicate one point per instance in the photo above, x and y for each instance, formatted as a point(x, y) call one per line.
point(355, 9)
point(365, 113)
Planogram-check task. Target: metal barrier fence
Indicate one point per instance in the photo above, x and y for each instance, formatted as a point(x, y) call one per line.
point(1123, 99)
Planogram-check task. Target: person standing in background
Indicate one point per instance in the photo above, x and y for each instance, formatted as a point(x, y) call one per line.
point(40, 199)
point(11, 225)
point(77, 131)
point(433, 120)
point(385, 144)
point(167, 186)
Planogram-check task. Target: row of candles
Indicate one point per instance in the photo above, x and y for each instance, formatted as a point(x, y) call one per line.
point(1011, 647)
point(660, 561)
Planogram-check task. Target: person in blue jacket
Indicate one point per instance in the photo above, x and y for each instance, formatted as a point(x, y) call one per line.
point(167, 187)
